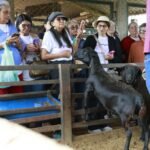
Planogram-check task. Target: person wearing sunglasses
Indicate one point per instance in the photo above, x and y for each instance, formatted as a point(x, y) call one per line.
point(31, 44)
point(76, 32)
point(57, 45)
point(8, 34)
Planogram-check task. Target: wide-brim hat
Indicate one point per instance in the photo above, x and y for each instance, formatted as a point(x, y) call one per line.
point(55, 14)
point(99, 19)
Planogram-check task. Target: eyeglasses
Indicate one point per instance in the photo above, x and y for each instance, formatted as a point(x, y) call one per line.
point(100, 26)
point(142, 31)
point(73, 27)
point(26, 25)
point(60, 18)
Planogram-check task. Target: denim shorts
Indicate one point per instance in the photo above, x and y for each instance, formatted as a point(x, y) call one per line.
point(147, 69)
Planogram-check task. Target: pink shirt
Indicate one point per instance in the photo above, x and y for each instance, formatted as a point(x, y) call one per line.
point(147, 36)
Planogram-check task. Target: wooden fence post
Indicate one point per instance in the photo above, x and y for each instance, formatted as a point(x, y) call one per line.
point(65, 96)
point(11, 2)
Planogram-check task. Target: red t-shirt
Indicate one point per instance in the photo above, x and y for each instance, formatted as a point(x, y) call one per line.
point(125, 45)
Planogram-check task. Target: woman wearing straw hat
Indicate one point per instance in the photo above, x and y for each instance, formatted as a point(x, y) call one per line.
point(102, 43)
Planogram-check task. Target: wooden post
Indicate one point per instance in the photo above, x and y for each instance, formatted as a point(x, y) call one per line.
point(122, 18)
point(65, 94)
point(114, 11)
point(11, 2)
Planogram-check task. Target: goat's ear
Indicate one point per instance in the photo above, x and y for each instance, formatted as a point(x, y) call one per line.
point(120, 70)
point(139, 72)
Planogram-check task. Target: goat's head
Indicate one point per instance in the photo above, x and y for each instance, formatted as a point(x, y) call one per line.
point(130, 74)
point(85, 55)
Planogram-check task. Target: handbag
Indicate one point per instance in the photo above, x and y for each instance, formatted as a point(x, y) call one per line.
point(40, 72)
point(8, 60)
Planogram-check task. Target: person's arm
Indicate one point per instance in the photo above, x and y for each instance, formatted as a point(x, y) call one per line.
point(76, 44)
point(79, 36)
point(48, 56)
point(10, 41)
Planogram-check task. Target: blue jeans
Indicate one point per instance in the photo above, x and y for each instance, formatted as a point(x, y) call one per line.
point(33, 88)
point(147, 69)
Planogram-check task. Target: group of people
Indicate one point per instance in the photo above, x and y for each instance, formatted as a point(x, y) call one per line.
point(133, 45)
point(61, 38)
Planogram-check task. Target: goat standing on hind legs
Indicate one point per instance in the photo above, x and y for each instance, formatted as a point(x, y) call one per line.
point(113, 95)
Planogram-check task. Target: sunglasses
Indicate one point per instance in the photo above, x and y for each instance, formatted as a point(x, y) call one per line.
point(73, 27)
point(142, 31)
point(60, 18)
point(26, 25)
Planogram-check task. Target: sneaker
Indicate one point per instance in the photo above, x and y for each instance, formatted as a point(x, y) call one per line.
point(107, 128)
point(106, 117)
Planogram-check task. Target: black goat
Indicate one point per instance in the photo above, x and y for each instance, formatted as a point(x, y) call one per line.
point(114, 95)
point(132, 75)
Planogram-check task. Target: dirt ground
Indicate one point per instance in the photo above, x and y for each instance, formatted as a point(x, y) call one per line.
point(111, 140)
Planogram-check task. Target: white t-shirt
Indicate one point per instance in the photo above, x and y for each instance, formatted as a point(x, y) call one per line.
point(102, 48)
point(29, 56)
point(51, 45)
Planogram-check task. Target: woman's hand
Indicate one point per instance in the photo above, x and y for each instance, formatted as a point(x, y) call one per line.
point(109, 56)
point(80, 30)
point(12, 40)
point(32, 48)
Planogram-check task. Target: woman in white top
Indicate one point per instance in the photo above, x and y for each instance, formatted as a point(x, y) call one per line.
point(31, 44)
point(57, 43)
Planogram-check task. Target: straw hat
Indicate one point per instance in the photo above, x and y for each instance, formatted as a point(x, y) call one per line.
point(101, 18)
